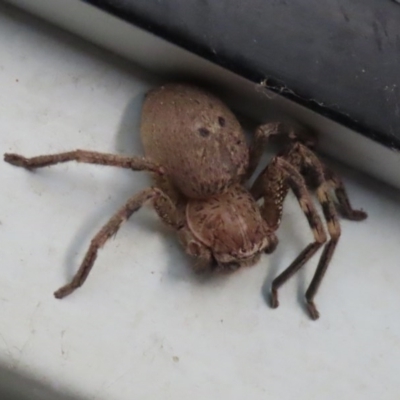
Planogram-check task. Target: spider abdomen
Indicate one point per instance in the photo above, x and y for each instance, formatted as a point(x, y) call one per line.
point(195, 137)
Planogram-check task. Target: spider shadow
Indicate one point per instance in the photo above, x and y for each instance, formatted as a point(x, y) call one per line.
point(127, 138)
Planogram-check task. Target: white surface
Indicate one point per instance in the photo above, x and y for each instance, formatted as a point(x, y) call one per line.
point(143, 326)
point(162, 57)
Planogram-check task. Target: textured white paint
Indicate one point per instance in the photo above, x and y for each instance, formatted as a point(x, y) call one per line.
point(143, 327)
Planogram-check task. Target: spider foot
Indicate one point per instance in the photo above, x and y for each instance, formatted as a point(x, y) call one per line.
point(312, 310)
point(274, 298)
point(17, 160)
point(357, 215)
point(64, 291)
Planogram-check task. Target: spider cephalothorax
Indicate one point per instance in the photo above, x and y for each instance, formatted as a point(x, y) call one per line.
point(197, 152)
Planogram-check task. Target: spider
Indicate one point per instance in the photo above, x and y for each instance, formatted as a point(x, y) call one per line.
point(196, 150)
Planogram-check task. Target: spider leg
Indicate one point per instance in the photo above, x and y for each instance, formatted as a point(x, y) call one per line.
point(205, 261)
point(110, 229)
point(305, 160)
point(272, 186)
point(326, 256)
point(316, 172)
point(261, 137)
point(83, 156)
point(344, 205)
point(296, 182)
point(265, 132)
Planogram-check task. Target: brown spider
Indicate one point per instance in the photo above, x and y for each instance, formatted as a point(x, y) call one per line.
point(197, 152)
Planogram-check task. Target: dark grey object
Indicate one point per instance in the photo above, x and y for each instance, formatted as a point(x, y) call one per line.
point(339, 58)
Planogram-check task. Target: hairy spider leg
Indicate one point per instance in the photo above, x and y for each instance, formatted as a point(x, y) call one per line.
point(273, 185)
point(289, 177)
point(83, 156)
point(106, 232)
